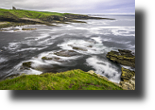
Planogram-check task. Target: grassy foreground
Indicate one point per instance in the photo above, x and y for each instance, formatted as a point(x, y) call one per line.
point(69, 80)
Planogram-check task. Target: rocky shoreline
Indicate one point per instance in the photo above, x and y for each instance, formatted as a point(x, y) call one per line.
point(68, 18)
point(125, 58)
point(127, 76)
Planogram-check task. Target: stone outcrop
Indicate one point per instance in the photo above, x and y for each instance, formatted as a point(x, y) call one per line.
point(128, 79)
point(77, 48)
point(53, 58)
point(26, 65)
point(124, 57)
point(66, 53)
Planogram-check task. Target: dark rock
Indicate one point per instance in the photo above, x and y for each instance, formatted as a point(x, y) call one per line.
point(27, 64)
point(28, 29)
point(53, 58)
point(78, 48)
point(124, 57)
point(66, 53)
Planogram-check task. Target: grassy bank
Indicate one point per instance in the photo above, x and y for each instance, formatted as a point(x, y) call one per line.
point(70, 80)
point(27, 13)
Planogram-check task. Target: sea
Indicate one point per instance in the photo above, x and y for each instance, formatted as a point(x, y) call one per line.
point(97, 37)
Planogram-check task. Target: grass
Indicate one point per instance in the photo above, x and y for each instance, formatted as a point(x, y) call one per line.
point(29, 14)
point(69, 80)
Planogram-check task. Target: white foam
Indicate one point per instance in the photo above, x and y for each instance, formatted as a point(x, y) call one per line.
point(3, 60)
point(96, 48)
point(31, 71)
point(30, 49)
point(104, 68)
point(97, 39)
point(13, 46)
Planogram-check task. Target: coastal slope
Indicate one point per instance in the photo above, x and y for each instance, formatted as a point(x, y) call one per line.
point(69, 80)
point(15, 17)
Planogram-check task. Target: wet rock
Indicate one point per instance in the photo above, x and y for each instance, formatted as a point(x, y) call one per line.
point(66, 53)
point(78, 48)
point(28, 29)
point(128, 79)
point(27, 64)
point(124, 57)
point(127, 74)
point(53, 58)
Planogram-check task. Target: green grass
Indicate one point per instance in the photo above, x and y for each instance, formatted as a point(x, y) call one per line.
point(69, 80)
point(27, 13)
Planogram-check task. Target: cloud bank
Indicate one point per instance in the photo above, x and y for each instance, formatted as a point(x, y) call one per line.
point(73, 6)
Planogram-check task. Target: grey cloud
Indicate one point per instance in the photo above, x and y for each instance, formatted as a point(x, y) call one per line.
point(74, 6)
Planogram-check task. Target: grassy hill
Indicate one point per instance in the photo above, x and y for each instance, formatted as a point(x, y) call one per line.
point(69, 80)
point(27, 13)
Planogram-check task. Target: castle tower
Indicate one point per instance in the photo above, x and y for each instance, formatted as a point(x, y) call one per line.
point(13, 8)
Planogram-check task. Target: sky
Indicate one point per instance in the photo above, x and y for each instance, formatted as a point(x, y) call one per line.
point(73, 6)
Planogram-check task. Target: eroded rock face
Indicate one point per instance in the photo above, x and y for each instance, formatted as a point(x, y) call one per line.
point(124, 57)
point(66, 53)
point(127, 74)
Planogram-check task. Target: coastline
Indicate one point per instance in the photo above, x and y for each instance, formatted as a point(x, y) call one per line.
point(16, 17)
point(49, 20)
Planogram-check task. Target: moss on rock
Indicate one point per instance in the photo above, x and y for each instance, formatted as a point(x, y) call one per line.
point(123, 57)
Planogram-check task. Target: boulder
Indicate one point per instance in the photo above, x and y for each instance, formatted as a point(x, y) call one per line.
point(26, 65)
point(124, 57)
point(127, 74)
point(66, 53)
point(128, 79)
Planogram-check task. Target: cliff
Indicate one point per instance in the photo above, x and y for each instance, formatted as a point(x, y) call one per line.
point(35, 17)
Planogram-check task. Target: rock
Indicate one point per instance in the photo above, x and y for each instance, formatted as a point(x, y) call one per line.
point(66, 53)
point(127, 74)
point(128, 79)
point(91, 71)
point(78, 48)
point(27, 64)
point(53, 58)
point(28, 29)
point(124, 57)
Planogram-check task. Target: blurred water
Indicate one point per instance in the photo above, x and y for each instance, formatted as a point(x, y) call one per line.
point(97, 37)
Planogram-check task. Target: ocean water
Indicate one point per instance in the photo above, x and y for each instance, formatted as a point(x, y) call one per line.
point(96, 37)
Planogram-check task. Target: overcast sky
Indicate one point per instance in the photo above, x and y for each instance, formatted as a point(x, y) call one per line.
point(73, 6)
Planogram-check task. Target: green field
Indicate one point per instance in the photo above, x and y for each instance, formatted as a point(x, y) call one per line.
point(69, 80)
point(28, 14)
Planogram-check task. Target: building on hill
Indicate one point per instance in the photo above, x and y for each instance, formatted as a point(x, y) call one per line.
point(13, 8)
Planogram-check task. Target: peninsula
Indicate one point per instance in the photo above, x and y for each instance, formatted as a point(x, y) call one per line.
point(18, 17)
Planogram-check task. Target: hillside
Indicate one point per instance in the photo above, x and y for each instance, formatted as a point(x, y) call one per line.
point(20, 17)
point(69, 80)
